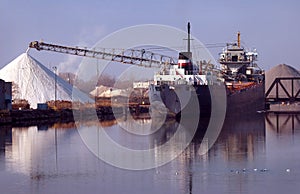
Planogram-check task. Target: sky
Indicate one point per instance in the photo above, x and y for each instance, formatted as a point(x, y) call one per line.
point(272, 27)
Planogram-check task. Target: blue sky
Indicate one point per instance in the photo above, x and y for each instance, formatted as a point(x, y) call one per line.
point(270, 26)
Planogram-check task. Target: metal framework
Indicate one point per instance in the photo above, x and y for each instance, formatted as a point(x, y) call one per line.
point(291, 96)
point(131, 56)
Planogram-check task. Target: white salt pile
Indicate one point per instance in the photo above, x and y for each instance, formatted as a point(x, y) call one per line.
point(36, 83)
point(108, 92)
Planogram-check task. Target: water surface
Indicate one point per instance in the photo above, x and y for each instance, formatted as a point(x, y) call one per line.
point(251, 155)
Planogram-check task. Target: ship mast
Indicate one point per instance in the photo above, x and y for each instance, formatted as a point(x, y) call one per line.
point(189, 37)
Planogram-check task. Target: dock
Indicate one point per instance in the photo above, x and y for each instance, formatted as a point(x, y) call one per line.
point(284, 108)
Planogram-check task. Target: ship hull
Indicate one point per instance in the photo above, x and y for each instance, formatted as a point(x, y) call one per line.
point(247, 101)
point(176, 98)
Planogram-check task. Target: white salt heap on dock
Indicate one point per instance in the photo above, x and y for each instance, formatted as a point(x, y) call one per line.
point(36, 83)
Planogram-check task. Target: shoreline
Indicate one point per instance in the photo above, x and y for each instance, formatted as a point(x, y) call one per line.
point(36, 116)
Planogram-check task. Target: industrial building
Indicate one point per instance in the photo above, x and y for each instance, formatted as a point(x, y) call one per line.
point(5, 95)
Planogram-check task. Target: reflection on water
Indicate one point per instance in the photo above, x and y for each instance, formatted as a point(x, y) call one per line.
point(283, 123)
point(251, 155)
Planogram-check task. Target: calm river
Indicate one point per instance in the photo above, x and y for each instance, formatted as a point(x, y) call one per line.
point(257, 154)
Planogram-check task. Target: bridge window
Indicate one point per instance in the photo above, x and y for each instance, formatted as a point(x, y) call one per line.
point(235, 58)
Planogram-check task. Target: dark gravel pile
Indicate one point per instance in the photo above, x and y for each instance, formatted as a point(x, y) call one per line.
point(282, 70)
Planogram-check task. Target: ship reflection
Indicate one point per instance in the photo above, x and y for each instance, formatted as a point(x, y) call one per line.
point(241, 141)
point(237, 139)
point(242, 138)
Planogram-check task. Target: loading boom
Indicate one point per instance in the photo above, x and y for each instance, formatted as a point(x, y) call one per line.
point(130, 56)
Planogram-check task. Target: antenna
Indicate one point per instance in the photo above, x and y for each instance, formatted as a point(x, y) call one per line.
point(189, 37)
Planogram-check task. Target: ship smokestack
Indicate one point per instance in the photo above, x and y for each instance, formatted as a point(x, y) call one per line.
point(189, 37)
point(239, 39)
point(185, 58)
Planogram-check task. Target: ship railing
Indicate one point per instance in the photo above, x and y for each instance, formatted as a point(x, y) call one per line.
point(233, 90)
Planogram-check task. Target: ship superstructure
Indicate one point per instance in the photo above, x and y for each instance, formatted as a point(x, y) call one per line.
point(238, 66)
point(187, 71)
point(239, 72)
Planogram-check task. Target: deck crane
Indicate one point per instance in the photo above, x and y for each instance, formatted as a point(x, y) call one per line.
point(130, 56)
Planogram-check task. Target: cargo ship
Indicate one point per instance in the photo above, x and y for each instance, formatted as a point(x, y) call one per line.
point(238, 83)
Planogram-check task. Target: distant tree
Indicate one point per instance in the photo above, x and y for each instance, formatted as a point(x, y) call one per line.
point(85, 86)
point(106, 80)
point(68, 77)
point(15, 91)
point(88, 86)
